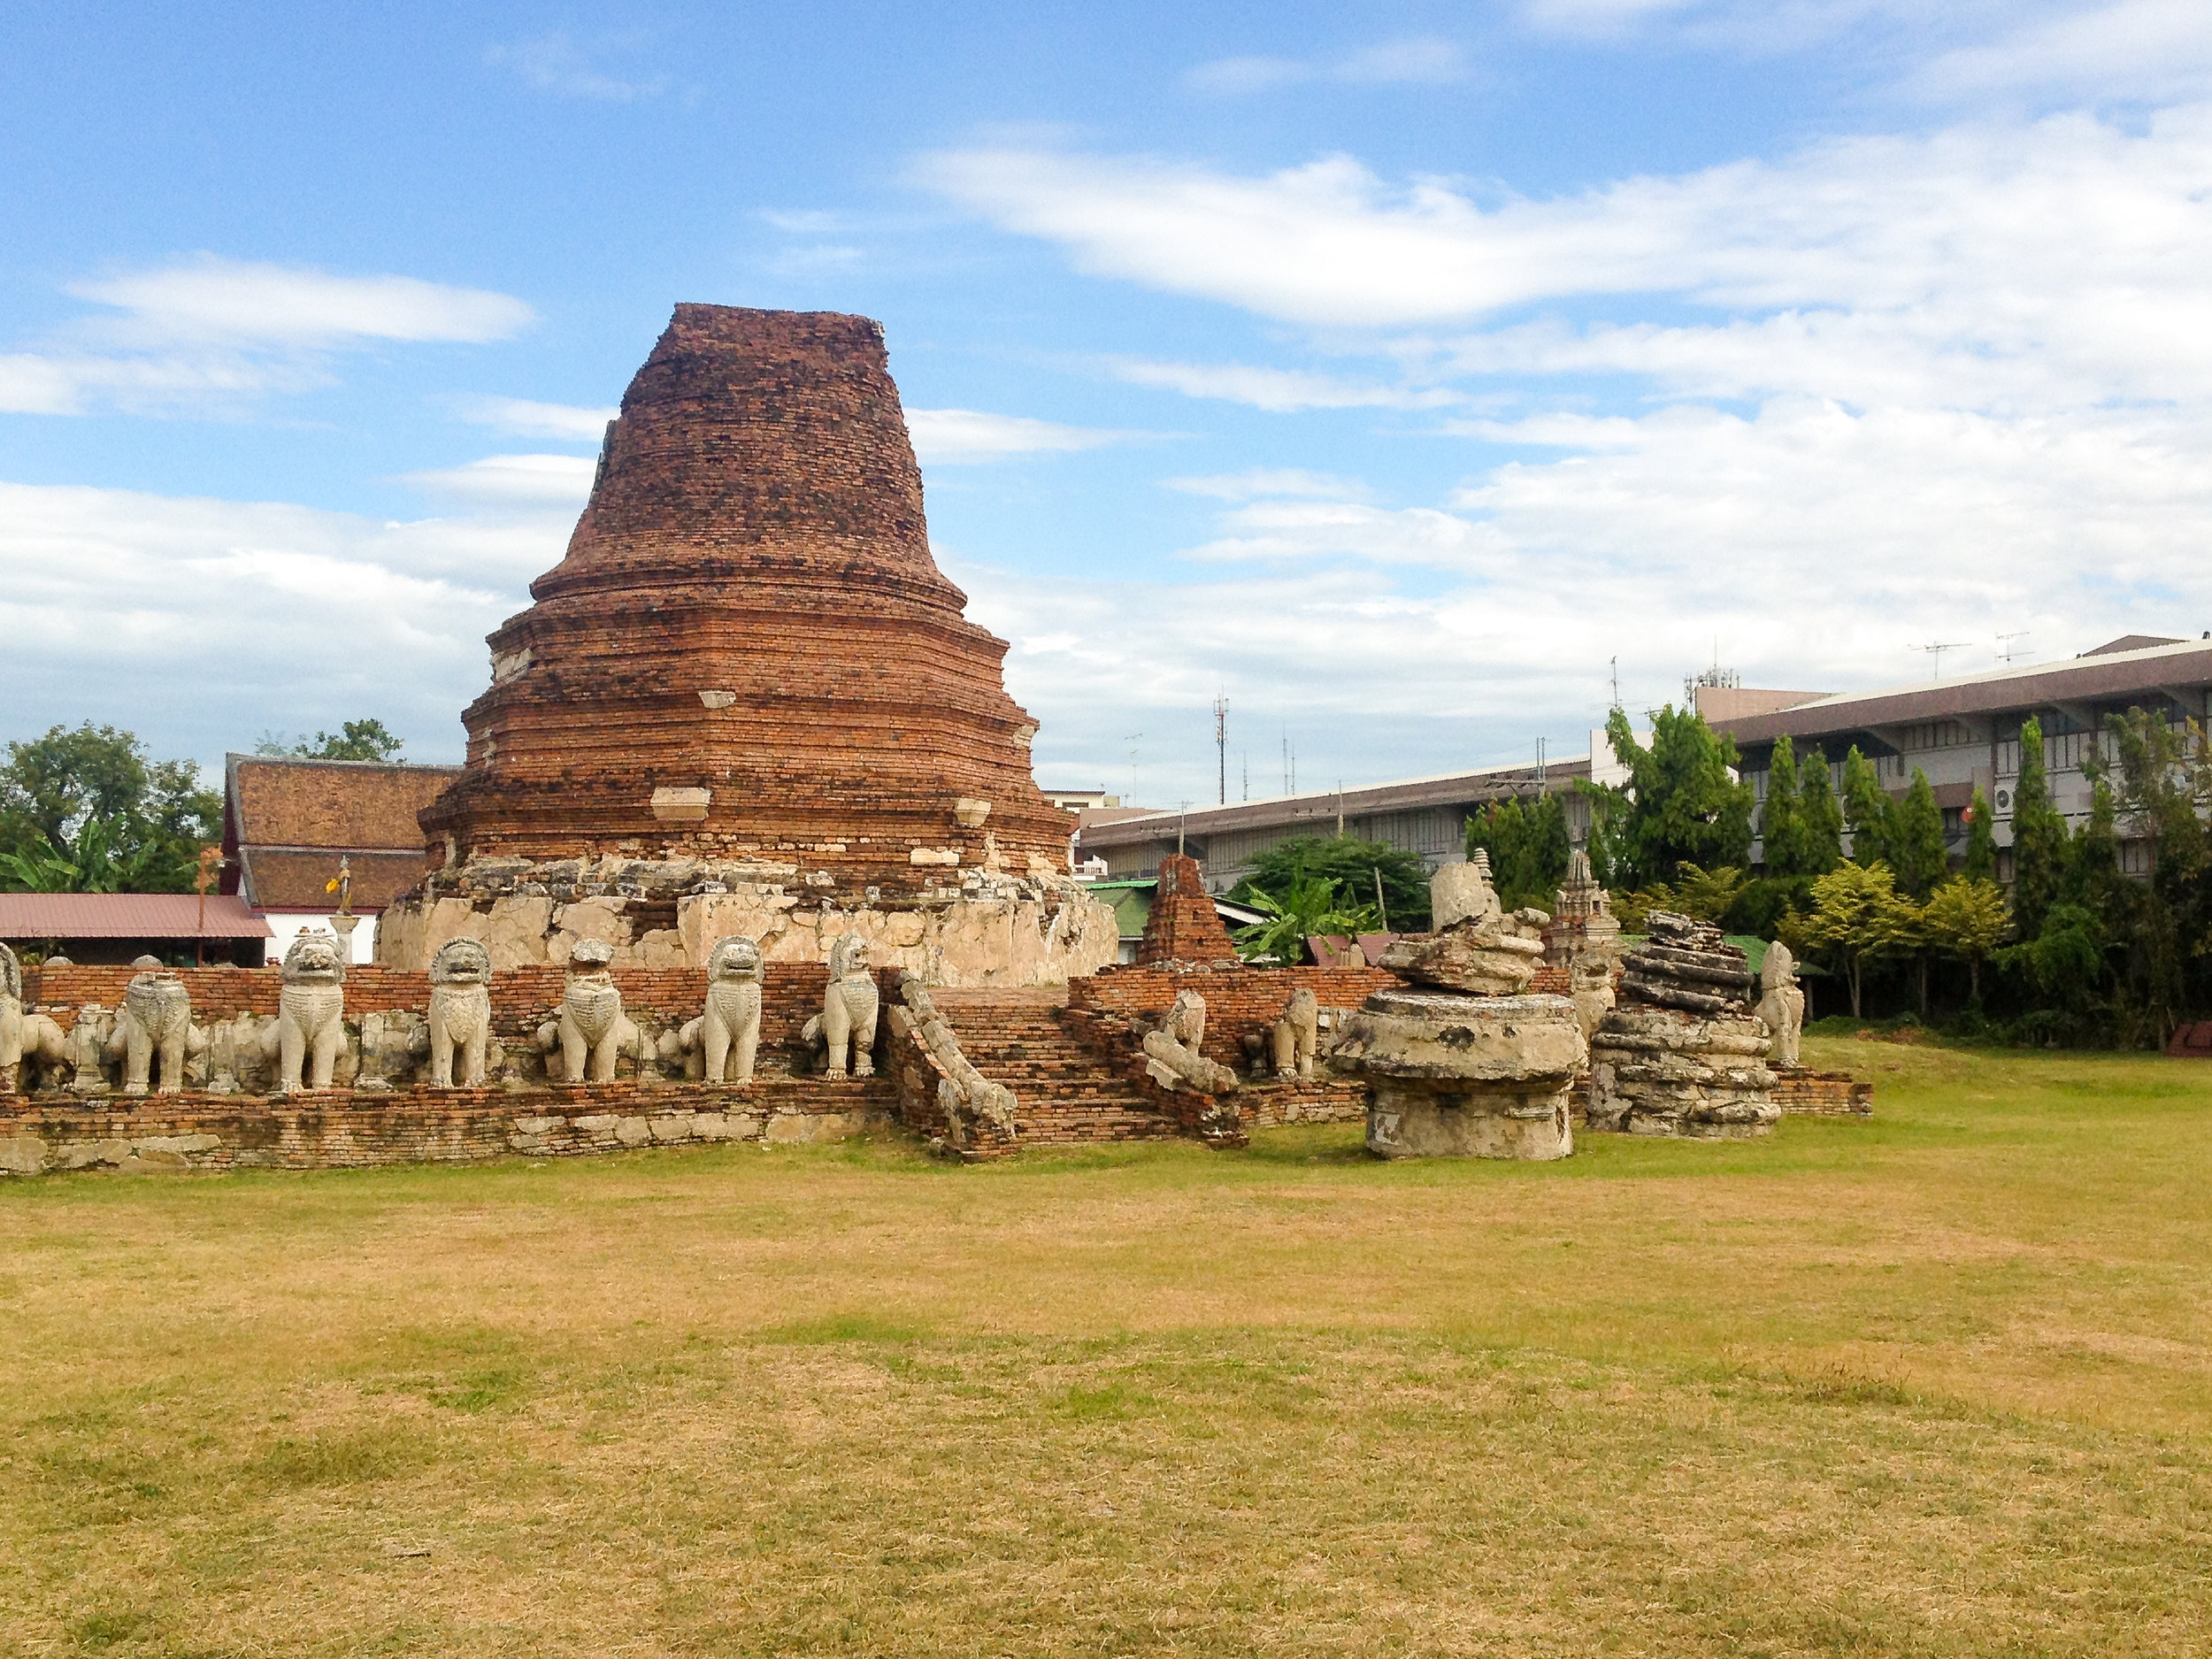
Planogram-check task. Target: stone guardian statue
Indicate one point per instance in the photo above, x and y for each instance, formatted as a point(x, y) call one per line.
point(849, 1009)
point(11, 1021)
point(460, 1012)
point(591, 1032)
point(311, 1024)
point(1296, 1034)
point(1174, 1057)
point(1781, 1003)
point(154, 1023)
point(731, 1029)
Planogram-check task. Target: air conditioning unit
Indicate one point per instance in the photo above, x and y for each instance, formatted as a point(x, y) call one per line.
point(2004, 800)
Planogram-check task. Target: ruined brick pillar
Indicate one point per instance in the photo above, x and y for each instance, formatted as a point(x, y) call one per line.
point(1184, 926)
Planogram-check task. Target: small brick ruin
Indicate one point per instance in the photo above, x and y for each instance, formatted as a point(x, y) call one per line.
point(1183, 925)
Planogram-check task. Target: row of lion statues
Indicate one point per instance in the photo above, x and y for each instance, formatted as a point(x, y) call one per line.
point(153, 1035)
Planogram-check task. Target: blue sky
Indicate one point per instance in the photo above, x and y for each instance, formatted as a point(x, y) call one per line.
point(1393, 368)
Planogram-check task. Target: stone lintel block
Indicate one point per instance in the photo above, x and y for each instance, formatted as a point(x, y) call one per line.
point(1446, 1038)
point(675, 805)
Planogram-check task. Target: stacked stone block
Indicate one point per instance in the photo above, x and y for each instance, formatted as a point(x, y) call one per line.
point(1682, 1053)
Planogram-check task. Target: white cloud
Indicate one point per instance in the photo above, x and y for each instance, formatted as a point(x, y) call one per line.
point(525, 418)
point(1258, 481)
point(250, 616)
point(212, 300)
point(2138, 49)
point(549, 480)
point(557, 62)
point(1279, 390)
point(210, 335)
point(944, 437)
point(1424, 59)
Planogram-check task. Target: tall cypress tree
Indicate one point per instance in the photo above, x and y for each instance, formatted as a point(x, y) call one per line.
point(1916, 852)
point(2038, 838)
point(1869, 810)
point(1820, 814)
point(1981, 840)
point(1782, 819)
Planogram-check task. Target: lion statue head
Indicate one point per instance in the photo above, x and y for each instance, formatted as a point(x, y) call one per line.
point(1780, 968)
point(848, 957)
point(313, 959)
point(734, 957)
point(591, 955)
point(461, 961)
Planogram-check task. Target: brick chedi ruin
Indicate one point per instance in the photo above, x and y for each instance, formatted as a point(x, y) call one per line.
point(748, 701)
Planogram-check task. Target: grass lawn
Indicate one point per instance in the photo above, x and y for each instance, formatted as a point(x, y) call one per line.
point(1940, 1383)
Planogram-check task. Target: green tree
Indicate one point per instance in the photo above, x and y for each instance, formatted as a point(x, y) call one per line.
point(85, 810)
point(1782, 816)
point(1350, 866)
point(1981, 840)
point(1967, 919)
point(1684, 803)
point(2163, 780)
point(1917, 854)
point(1528, 846)
point(1309, 908)
point(1857, 918)
point(2038, 838)
point(1606, 845)
point(356, 740)
point(1868, 808)
point(1821, 814)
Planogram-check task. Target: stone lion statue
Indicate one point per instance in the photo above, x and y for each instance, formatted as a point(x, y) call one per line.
point(1296, 1034)
point(849, 1005)
point(154, 1023)
point(1781, 1003)
point(591, 1033)
point(730, 1028)
point(1173, 1055)
point(1590, 978)
point(311, 1023)
point(10, 1020)
point(460, 1012)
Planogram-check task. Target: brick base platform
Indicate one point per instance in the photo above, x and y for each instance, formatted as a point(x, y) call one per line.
point(341, 1129)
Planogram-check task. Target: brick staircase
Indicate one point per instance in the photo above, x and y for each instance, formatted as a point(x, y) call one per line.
point(1069, 1094)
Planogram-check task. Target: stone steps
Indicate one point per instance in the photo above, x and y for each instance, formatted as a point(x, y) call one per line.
point(1069, 1096)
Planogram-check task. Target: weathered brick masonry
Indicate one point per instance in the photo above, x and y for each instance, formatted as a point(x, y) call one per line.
point(749, 608)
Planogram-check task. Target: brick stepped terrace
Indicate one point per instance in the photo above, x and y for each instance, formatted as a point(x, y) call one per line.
point(1070, 1093)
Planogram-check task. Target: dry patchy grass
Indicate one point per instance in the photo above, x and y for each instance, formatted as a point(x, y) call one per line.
point(1936, 1384)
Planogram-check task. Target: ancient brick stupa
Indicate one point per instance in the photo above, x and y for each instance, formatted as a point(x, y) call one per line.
point(747, 700)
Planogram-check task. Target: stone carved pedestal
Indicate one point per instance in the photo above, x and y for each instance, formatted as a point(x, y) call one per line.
point(1459, 1062)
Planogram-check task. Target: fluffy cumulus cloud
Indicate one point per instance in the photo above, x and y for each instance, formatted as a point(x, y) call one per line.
point(252, 617)
point(1810, 411)
point(209, 333)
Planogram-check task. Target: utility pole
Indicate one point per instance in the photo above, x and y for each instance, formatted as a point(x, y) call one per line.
point(1339, 809)
point(1245, 756)
point(1221, 742)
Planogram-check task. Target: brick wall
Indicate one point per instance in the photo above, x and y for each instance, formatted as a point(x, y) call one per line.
point(1823, 1094)
point(343, 1130)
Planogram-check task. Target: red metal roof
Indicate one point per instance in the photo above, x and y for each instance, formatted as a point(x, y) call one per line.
point(127, 916)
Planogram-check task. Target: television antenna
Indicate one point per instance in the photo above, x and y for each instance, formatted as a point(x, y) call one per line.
point(1132, 739)
point(2006, 650)
point(1935, 652)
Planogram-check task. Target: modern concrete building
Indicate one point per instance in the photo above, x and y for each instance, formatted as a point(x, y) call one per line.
point(1965, 732)
point(1427, 816)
